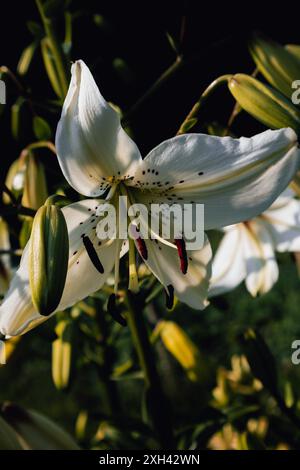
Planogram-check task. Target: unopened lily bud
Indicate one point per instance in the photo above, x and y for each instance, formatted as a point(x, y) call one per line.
point(50, 66)
point(15, 179)
point(276, 63)
point(36, 432)
point(264, 103)
point(35, 187)
point(48, 257)
point(182, 348)
point(62, 354)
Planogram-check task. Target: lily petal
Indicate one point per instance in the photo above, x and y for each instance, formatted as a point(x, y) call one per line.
point(229, 266)
point(235, 179)
point(17, 313)
point(283, 219)
point(191, 288)
point(92, 146)
point(261, 264)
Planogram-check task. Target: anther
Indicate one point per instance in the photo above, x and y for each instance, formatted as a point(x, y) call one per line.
point(92, 253)
point(180, 244)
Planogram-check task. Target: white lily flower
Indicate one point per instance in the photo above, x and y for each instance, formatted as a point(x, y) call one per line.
point(235, 179)
point(247, 250)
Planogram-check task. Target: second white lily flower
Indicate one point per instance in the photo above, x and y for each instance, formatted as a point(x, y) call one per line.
point(247, 250)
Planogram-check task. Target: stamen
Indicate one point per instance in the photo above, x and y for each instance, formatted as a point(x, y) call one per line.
point(133, 277)
point(92, 254)
point(169, 296)
point(180, 244)
point(112, 309)
point(142, 248)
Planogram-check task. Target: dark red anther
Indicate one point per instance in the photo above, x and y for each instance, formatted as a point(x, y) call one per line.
point(142, 248)
point(180, 244)
point(169, 296)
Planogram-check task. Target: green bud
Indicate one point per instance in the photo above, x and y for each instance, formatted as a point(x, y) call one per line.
point(264, 103)
point(26, 58)
point(62, 354)
point(260, 359)
point(276, 64)
point(50, 66)
point(36, 431)
point(25, 231)
point(48, 258)
point(14, 180)
point(35, 186)
point(182, 348)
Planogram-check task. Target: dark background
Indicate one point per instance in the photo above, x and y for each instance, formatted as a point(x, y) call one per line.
point(215, 33)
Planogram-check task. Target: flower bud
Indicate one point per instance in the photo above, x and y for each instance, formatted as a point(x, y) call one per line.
point(182, 348)
point(264, 103)
point(35, 186)
point(50, 66)
point(62, 354)
point(279, 67)
point(48, 257)
point(15, 179)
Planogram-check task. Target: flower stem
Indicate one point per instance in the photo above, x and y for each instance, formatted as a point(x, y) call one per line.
point(158, 406)
point(156, 85)
point(192, 117)
point(58, 53)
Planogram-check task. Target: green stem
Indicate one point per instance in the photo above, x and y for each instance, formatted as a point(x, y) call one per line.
point(192, 117)
point(156, 85)
point(58, 53)
point(158, 405)
point(17, 210)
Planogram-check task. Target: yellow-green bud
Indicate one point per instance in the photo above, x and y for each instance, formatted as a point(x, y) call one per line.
point(62, 354)
point(26, 58)
point(264, 103)
point(276, 63)
point(50, 66)
point(35, 186)
point(48, 258)
point(15, 179)
point(182, 348)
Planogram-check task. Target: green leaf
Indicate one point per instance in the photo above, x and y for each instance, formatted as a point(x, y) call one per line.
point(41, 128)
point(17, 118)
